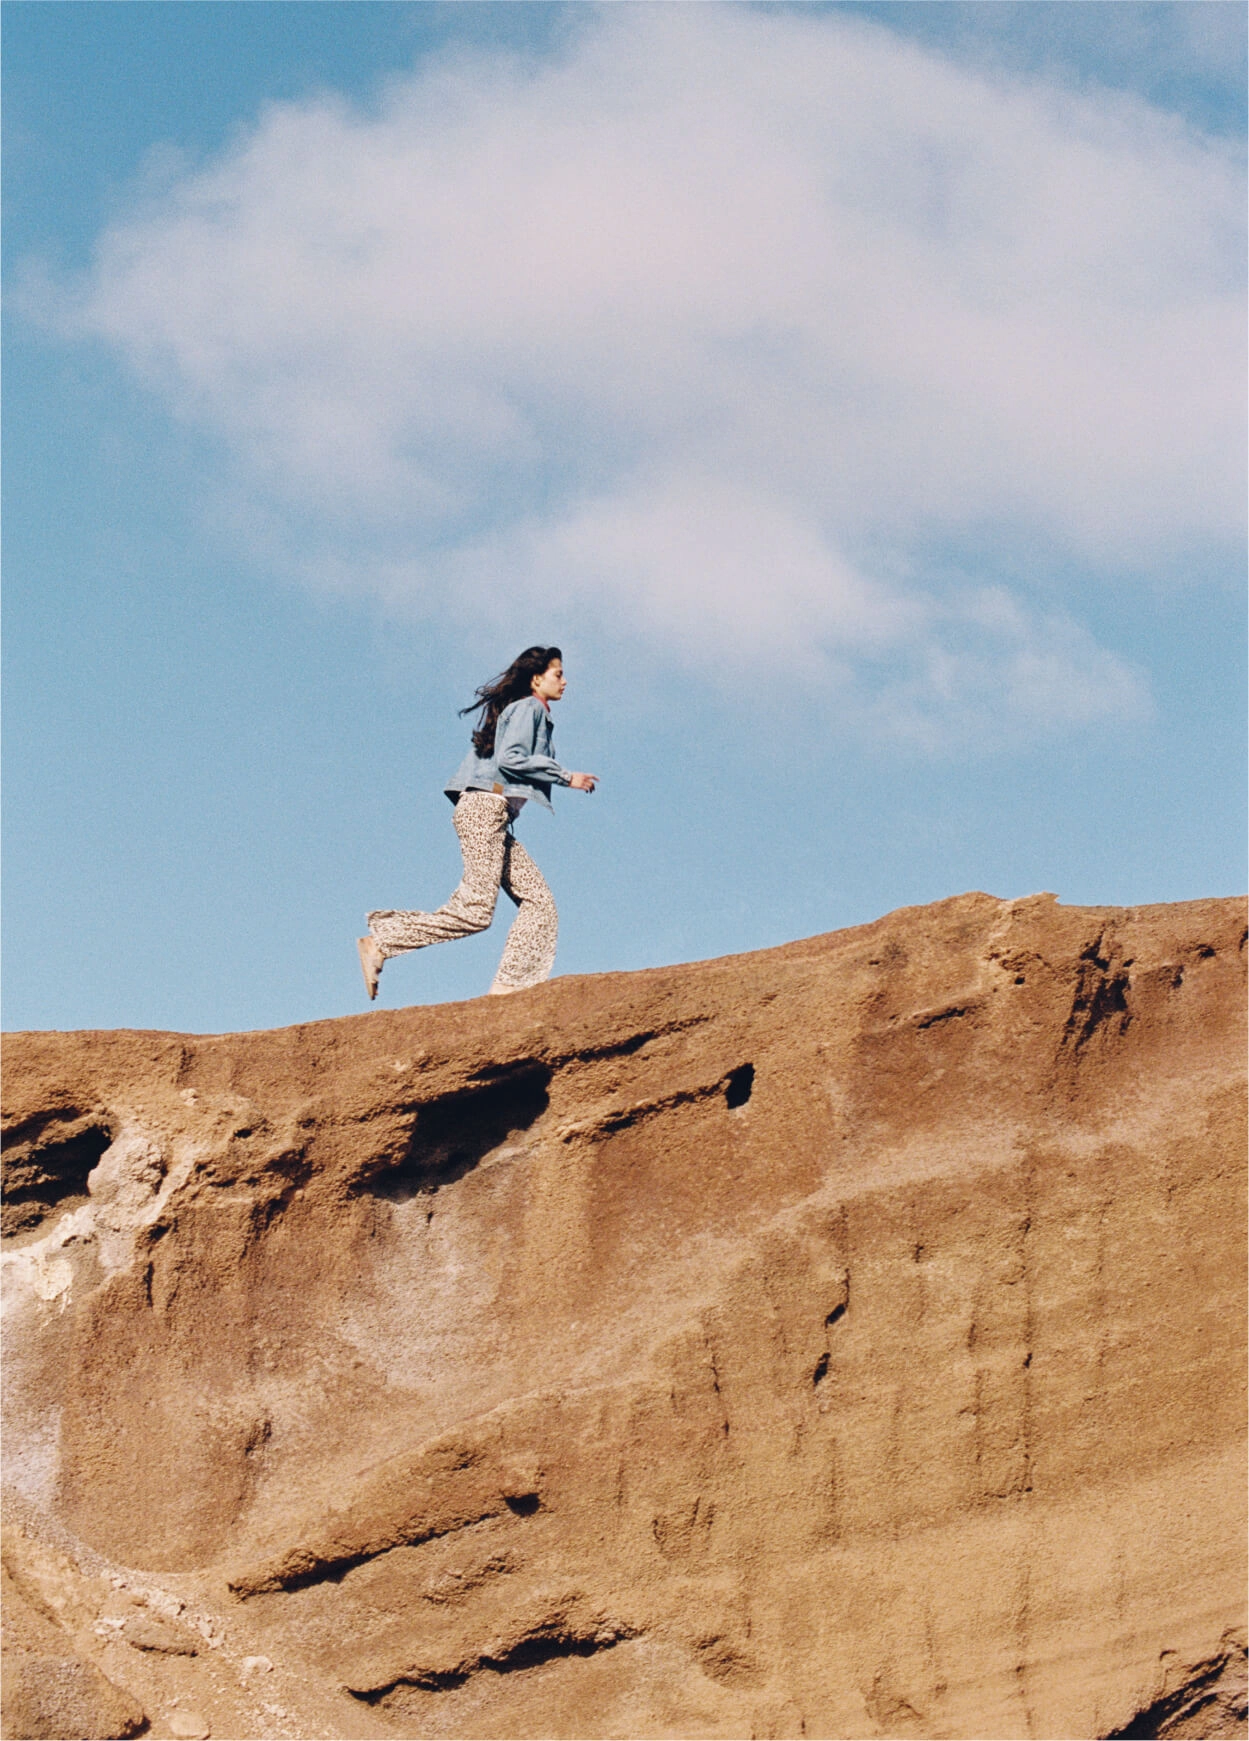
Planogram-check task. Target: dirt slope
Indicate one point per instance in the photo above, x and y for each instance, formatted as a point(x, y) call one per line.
point(842, 1340)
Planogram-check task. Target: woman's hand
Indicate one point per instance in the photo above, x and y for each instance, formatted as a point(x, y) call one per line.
point(582, 782)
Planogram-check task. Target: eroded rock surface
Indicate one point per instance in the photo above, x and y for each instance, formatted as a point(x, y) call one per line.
point(842, 1340)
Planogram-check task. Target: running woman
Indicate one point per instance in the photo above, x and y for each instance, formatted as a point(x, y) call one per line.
point(509, 763)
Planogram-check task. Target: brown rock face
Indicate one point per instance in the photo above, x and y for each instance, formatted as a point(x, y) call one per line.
point(843, 1340)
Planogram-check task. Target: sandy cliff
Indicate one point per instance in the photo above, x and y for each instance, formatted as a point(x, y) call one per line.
point(843, 1340)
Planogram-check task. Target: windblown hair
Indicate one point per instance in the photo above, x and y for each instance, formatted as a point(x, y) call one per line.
point(514, 683)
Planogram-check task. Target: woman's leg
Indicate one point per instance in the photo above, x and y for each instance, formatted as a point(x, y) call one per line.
point(481, 823)
point(530, 952)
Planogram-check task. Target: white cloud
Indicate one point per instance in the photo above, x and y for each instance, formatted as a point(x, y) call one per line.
point(1185, 54)
point(712, 326)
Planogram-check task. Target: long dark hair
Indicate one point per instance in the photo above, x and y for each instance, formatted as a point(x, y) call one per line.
point(513, 684)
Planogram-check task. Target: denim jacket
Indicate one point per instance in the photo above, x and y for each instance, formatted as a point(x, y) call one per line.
point(522, 762)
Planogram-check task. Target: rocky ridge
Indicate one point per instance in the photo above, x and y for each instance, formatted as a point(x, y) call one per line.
point(841, 1340)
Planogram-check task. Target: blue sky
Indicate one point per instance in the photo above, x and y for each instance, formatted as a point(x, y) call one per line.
point(854, 392)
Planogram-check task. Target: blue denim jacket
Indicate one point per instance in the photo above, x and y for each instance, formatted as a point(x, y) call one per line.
point(522, 762)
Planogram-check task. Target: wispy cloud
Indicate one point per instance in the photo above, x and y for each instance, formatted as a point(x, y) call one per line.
point(713, 328)
point(1185, 55)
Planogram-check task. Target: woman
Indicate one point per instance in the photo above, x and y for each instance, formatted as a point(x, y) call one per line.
point(509, 763)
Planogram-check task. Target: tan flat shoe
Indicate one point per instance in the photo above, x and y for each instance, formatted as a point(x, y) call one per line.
point(371, 963)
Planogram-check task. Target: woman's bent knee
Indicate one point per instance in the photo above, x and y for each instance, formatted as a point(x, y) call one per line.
point(477, 915)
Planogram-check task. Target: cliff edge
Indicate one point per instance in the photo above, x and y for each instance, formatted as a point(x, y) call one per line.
point(842, 1340)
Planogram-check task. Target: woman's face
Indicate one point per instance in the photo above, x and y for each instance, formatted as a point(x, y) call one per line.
point(551, 685)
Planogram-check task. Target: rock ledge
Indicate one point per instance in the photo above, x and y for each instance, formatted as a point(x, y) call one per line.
point(841, 1340)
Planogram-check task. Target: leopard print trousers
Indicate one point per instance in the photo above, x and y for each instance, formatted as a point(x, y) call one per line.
point(493, 860)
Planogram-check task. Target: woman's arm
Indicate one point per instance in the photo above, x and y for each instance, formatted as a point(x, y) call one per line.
point(518, 732)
